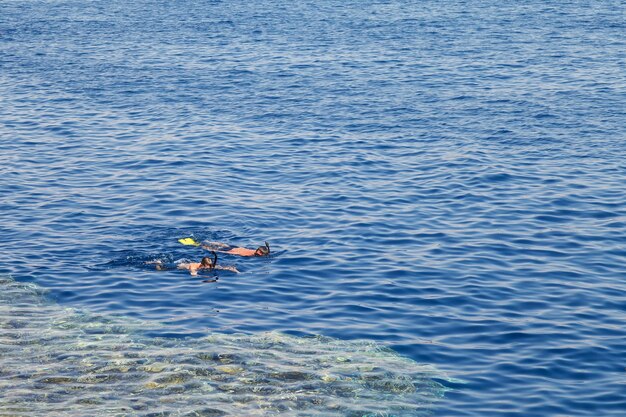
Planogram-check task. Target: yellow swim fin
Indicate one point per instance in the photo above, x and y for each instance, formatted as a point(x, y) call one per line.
point(189, 241)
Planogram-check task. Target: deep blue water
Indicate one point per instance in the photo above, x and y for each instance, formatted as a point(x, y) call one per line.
point(446, 178)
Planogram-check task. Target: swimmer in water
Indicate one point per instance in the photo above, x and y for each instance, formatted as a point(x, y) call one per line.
point(231, 250)
point(194, 267)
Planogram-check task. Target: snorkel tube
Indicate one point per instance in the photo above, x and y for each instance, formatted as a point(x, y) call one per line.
point(214, 259)
point(267, 245)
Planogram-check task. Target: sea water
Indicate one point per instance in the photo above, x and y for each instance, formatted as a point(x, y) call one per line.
point(442, 184)
point(59, 361)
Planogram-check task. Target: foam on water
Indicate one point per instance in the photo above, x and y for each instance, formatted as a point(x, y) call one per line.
point(61, 361)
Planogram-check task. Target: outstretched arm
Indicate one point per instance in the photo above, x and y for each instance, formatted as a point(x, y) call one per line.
point(228, 268)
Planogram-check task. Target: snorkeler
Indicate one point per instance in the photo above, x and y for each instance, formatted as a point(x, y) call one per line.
point(231, 250)
point(194, 267)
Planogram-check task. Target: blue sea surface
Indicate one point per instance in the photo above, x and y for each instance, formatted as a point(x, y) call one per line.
point(446, 179)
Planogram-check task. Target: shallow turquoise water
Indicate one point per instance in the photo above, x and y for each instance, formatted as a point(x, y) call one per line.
point(445, 179)
point(64, 362)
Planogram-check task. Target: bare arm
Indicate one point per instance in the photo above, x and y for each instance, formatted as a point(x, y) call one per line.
point(228, 268)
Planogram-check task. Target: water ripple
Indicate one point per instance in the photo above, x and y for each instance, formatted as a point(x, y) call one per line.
point(443, 178)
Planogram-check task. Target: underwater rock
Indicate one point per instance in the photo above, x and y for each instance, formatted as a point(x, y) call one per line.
point(62, 362)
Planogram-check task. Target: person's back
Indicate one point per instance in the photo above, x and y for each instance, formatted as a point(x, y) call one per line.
point(241, 252)
point(193, 267)
point(205, 263)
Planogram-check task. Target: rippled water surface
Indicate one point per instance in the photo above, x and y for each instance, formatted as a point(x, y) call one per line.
point(443, 185)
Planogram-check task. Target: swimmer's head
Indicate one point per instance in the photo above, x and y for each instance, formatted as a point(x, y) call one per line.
point(262, 250)
point(207, 262)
